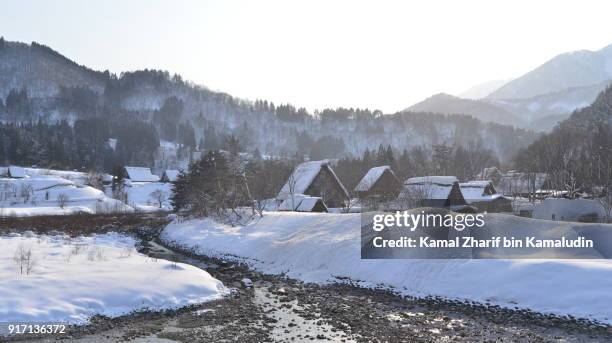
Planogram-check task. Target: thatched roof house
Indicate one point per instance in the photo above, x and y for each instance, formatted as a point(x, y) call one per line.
point(303, 203)
point(431, 191)
point(16, 172)
point(380, 183)
point(170, 175)
point(484, 196)
point(317, 179)
point(140, 174)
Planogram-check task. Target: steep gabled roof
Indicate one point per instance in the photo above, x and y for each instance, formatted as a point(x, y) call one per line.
point(302, 177)
point(475, 191)
point(371, 177)
point(16, 172)
point(140, 174)
point(429, 187)
point(170, 175)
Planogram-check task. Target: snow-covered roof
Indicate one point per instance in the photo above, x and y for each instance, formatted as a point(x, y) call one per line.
point(370, 178)
point(438, 180)
point(477, 183)
point(17, 172)
point(140, 174)
point(171, 174)
point(428, 187)
point(474, 191)
point(300, 202)
point(303, 176)
point(308, 204)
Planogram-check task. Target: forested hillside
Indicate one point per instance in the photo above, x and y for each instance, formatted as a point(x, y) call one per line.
point(111, 119)
point(578, 152)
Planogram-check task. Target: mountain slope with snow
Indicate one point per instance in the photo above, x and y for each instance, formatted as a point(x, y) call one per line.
point(482, 90)
point(569, 70)
point(42, 71)
point(448, 104)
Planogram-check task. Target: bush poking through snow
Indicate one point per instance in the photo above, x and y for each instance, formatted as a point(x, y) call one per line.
point(24, 259)
point(62, 200)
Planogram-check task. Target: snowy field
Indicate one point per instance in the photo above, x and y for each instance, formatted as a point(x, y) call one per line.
point(322, 247)
point(142, 196)
point(53, 195)
point(43, 192)
point(72, 279)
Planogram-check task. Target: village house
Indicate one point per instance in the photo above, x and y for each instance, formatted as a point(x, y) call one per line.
point(484, 196)
point(379, 183)
point(303, 203)
point(317, 179)
point(432, 191)
point(15, 172)
point(140, 174)
point(170, 175)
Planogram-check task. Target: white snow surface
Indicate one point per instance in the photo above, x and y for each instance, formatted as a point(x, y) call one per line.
point(76, 278)
point(140, 196)
point(321, 247)
point(370, 178)
point(44, 193)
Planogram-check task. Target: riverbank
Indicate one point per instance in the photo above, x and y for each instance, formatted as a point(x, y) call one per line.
point(275, 308)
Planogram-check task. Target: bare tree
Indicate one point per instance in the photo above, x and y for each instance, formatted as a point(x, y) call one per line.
point(62, 200)
point(291, 185)
point(26, 191)
point(95, 180)
point(159, 196)
point(24, 259)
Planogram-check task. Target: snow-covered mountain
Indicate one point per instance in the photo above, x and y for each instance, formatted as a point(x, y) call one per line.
point(42, 71)
point(537, 100)
point(482, 90)
point(582, 68)
point(58, 88)
point(482, 110)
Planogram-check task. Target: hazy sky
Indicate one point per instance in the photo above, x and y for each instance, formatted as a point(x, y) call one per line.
point(377, 54)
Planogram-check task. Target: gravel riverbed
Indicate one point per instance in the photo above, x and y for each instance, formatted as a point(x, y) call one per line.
point(266, 308)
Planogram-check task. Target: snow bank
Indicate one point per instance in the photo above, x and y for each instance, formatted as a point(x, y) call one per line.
point(42, 194)
point(320, 247)
point(74, 279)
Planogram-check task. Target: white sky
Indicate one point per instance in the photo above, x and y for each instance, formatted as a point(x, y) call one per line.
point(377, 54)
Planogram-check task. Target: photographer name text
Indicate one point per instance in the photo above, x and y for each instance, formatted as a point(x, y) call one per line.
point(493, 242)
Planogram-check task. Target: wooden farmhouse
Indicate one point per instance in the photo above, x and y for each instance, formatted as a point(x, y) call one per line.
point(484, 196)
point(16, 172)
point(379, 183)
point(315, 179)
point(140, 174)
point(432, 191)
point(170, 175)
